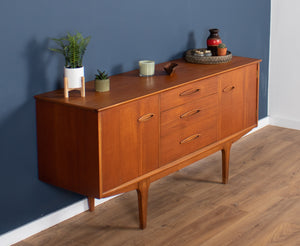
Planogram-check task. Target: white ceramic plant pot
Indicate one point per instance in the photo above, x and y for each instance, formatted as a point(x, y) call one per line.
point(74, 76)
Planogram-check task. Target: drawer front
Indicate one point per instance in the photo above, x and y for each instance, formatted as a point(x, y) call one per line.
point(186, 141)
point(183, 135)
point(188, 93)
point(188, 113)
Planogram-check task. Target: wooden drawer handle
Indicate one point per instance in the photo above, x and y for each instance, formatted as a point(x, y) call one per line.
point(190, 138)
point(190, 113)
point(228, 88)
point(189, 92)
point(146, 117)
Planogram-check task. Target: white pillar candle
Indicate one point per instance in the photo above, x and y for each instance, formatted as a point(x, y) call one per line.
point(147, 68)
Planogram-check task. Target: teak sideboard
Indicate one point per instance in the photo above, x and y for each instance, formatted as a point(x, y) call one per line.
point(144, 128)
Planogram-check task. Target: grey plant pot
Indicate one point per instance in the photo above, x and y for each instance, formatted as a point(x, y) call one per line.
point(102, 85)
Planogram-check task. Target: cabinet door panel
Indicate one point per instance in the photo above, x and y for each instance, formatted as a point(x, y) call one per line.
point(149, 133)
point(251, 96)
point(232, 102)
point(129, 141)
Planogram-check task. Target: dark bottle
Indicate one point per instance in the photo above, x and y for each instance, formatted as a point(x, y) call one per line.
point(213, 41)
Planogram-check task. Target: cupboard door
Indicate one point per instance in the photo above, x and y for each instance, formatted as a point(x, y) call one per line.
point(231, 102)
point(130, 135)
point(251, 96)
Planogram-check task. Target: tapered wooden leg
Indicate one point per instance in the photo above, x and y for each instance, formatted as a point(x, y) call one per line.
point(82, 87)
point(66, 87)
point(142, 193)
point(91, 203)
point(225, 162)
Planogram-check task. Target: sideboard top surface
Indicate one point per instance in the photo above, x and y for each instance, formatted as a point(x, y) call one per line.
point(129, 86)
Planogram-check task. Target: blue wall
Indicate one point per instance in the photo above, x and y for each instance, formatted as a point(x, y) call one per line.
point(123, 32)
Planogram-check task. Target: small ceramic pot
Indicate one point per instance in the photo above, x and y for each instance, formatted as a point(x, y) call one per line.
point(102, 85)
point(222, 51)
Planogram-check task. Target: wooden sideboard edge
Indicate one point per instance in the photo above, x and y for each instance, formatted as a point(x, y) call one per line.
point(177, 165)
point(53, 100)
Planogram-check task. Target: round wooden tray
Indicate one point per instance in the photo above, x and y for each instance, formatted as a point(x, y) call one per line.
point(192, 58)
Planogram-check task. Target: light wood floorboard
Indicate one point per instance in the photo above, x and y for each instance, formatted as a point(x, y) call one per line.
point(260, 206)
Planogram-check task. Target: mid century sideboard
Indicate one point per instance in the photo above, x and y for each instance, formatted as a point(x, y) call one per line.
point(144, 128)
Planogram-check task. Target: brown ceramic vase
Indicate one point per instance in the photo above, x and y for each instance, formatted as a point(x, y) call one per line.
point(213, 41)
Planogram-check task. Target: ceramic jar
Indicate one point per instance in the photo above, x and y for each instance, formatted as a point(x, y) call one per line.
point(213, 41)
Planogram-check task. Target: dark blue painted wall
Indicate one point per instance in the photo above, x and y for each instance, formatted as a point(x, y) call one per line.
point(123, 32)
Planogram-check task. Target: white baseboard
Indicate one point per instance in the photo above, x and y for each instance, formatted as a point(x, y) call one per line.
point(46, 222)
point(59, 216)
point(287, 123)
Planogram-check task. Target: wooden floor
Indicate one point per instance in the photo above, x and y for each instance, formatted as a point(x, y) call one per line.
point(260, 205)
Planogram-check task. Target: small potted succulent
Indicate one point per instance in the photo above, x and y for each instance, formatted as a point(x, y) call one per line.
point(102, 81)
point(72, 47)
point(222, 49)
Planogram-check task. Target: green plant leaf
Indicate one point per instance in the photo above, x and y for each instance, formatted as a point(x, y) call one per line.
point(72, 47)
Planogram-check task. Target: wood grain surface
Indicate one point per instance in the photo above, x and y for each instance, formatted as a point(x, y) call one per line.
point(121, 91)
point(141, 130)
point(259, 206)
point(130, 136)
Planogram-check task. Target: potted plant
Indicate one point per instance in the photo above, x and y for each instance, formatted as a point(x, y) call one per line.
point(102, 81)
point(73, 49)
point(222, 49)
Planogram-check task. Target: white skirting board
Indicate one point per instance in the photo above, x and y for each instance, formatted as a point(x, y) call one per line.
point(286, 123)
point(59, 216)
point(47, 221)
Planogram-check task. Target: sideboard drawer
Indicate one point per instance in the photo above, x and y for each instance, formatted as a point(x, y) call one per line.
point(187, 140)
point(183, 135)
point(188, 93)
point(197, 110)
